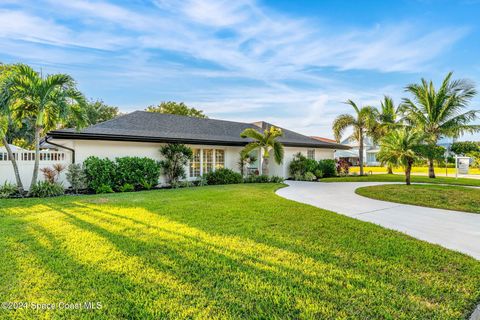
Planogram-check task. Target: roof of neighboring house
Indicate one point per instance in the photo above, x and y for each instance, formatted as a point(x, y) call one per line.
point(157, 127)
point(323, 139)
point(13, 147)
point(346, 154)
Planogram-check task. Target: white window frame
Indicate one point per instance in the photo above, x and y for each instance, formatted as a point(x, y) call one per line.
point(214, 160)
point(308, 154)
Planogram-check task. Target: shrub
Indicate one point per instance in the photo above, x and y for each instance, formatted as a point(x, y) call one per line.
point(53, 174)
point(76, 177)
point(127, 187)
point(308, 176)
point(104, 188)
point(99, 173)
point(301, 164)
point(45, 189)
point(223, 176)
point(276, 179)
point(176, 158)
point(8, 190)
point(343, 167)
point(136, 171)
point(328, 168)
point(263, 179)
point(200, 182)
point(318, 173)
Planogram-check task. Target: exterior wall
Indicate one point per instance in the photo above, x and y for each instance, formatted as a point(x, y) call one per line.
point(282, 170)
point(113, 149)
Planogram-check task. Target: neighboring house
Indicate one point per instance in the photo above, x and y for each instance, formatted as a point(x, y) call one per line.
point(215, 143)
point(370, 151)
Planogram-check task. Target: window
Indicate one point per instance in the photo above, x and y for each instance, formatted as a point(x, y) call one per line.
point(311, 154)
point(195, 164)
point(219, 159)
point(371, 157)
point(207, 160)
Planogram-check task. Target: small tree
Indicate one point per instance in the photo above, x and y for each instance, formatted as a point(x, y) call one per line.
point(398, 148)
point(76, 177)
point(244, 161)
point(176, 157)
point(266, 142)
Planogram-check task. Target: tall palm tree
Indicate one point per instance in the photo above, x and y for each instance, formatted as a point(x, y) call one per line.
point(361, 125)
point(266, 142)
point(48, 101)
point(398, 147)
point(439, 113)
point(386, 120)
point(5, 121)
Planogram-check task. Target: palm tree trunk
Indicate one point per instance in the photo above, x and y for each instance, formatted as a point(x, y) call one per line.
point(37, 156)
point(431, 169)
point(265, 166)
point(14, 164)
point(360, 152)
point(390, 169)
point(408, 170)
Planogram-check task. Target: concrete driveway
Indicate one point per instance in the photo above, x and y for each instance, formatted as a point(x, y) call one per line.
point(455, 230)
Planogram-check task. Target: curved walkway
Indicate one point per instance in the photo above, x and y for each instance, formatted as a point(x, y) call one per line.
point(451, 229)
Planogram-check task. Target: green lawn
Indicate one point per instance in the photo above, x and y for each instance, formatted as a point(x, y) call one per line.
point(236, 251)
point(401, 178)
point(436, 196)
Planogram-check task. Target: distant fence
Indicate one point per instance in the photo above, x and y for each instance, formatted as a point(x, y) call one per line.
point(26, 160)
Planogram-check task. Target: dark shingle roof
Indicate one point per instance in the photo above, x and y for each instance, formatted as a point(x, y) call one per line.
point(158, 127)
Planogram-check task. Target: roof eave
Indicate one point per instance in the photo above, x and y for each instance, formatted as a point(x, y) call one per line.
point(113, 137)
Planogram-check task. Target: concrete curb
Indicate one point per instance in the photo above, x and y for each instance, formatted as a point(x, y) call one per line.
point(476, 313)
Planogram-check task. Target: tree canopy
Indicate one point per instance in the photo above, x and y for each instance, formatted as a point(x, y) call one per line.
point(171, 107)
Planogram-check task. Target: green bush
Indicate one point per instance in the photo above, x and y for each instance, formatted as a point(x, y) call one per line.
point(328, 168)
point(141, 173)
point(99, 173)
point(318, 173)
point(223, 176)
point(262, 179)
point(44, 189)
point(76, 177)
point(136, 171)
point(308, 176)
point(276, 179)
point(8, 190)
point(301, 164)
point(104, 188)
point(127, 187)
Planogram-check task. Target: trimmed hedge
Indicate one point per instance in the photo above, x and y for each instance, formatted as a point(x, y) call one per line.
point(103, 175)
point(223, 176)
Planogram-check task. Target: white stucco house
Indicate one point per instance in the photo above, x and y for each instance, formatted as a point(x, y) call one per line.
point(370, 151)
point(215, 143)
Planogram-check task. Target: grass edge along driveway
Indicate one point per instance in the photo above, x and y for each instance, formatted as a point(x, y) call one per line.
point(426, 195)
point(401, 178)
point(225, 252)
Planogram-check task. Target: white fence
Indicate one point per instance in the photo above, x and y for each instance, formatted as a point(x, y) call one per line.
point(25, 162)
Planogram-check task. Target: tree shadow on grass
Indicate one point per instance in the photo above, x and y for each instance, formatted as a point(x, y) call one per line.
point(274, 275)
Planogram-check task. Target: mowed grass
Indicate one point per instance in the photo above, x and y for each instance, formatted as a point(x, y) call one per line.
point(401, 178)
point(221, 252)
point(435, 196)
point(440, 170)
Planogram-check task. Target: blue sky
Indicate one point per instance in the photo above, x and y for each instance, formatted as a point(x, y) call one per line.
point(292, 63)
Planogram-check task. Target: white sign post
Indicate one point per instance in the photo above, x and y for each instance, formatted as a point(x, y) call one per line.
point(461, 165)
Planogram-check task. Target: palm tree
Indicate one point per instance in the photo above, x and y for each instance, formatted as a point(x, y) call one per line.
point(48, 101)
point(266, 142)
point(439, 113)
point(5, 121)
point(398, 147)
point(386, 120)
point(361, 124)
